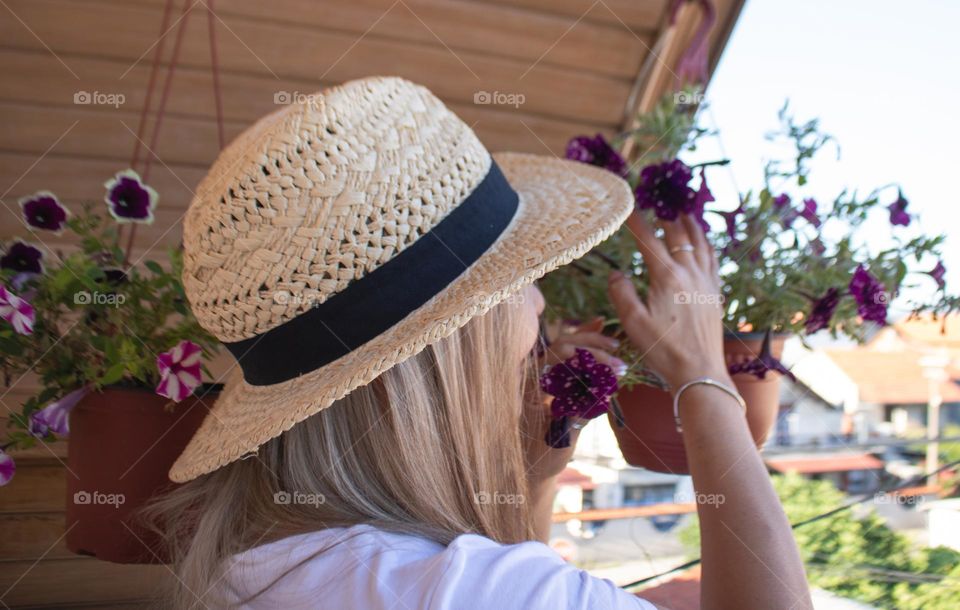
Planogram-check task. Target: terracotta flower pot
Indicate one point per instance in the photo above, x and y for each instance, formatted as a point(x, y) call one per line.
point(122, 443)
point(649, 437)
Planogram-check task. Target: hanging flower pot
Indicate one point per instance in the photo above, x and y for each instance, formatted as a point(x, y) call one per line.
point(648, 437)
point(123, 442)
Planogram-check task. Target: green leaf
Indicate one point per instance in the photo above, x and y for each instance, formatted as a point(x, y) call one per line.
point(154, 267)
point(114, 374)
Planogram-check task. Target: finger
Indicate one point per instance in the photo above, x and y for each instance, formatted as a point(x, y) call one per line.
point(630, 308)
point(701, 248)
point(678, 242)
point(594, 325)
point(618, 366)
point(591, 339)
point(654, 253)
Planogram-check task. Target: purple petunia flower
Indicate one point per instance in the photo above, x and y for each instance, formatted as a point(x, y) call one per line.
point(129, 199)
point(818, 247)
point(781, 202)
point(55, 417)
point(23, 258)
point(664, 188)
point(7, 468)
point(937, 274)
point(898, 210)
point(580, 385)
point(870, 296)
point(703, 197)
point(43, 210)
point(730, 218)
point(822, 310)
point(596, 151)
point(17, 312)
point(558, 434)
point(762, 364)
point(809, 212)
point(179, 371)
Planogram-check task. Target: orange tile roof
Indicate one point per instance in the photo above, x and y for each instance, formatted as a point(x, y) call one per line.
point(572, 476)
point(927, 331)
point(891, 377)
point(825, 463)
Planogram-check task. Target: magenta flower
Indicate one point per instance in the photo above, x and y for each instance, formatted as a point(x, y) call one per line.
point(817, 245)
point(129, 199)
point(762, 364)
point(55, 417)
point(809, 212)
point(42, 210)
point(781, 202)
point(17, 312)
point(937, 274)
point(730, 218)
point(23, 258)
point(7, 468)
point(898, 210)
point(558, 434)
point(580, 386)
point(665, 189)
point(703, 197)
point(870, 296)
point(822, 310)
point(179, 371)
point(596, 151)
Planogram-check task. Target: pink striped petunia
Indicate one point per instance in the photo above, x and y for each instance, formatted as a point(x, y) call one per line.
point(55, 417)
point(16, 311)
point(7, 467)
point(179, 371)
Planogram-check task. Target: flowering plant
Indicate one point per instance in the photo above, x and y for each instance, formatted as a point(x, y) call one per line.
point(788, 263)
point(89, 319)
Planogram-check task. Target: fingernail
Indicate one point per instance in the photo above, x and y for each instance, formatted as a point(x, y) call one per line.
point(615, 275)
point(619, 367)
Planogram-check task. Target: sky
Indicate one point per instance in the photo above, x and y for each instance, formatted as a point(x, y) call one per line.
point(883, 76)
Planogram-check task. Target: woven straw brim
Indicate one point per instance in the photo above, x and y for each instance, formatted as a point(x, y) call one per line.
point(566, 208)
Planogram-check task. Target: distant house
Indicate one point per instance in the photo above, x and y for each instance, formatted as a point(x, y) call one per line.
point(879, 389)
point(892, 383)
point(943, 523)
point(849, 471)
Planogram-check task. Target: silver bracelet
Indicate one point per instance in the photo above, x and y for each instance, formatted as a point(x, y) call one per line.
point(704, 381)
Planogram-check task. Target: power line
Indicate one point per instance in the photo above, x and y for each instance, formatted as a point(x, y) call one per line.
point(864, 498)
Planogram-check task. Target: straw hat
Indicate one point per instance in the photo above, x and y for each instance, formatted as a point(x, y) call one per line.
point(341, 235)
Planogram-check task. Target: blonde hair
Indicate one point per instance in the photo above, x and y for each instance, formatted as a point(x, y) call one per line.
point(412, 452)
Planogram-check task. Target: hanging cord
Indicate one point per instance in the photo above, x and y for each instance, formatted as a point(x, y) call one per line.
point(864, 498)
point(161, 109)
point(215, 71)
point(154, 69)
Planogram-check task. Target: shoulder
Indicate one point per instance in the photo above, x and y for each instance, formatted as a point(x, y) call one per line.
point(373, 568)
point(523, 575)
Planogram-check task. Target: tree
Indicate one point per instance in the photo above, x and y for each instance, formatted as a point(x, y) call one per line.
point(860, 557)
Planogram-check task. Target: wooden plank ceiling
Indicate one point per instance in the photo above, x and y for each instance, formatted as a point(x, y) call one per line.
point(574, 61)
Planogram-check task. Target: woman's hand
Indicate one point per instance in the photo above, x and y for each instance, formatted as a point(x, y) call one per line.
point(586, 336)
point(545, 463)
point(678, 328)
point(750, 559)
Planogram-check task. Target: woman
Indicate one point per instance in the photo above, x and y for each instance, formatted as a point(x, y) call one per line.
point(380, 444)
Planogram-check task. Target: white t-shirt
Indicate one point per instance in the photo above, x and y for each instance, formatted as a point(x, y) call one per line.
point(371, 569)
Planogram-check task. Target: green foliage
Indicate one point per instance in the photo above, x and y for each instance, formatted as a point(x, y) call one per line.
point(860, 557)
point(774, 264)
point(98, 321)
